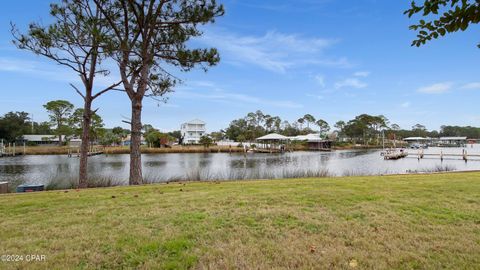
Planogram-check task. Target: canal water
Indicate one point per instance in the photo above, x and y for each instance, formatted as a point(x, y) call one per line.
point(213, 166)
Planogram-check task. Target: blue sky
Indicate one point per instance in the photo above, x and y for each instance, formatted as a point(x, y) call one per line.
point(333, 59)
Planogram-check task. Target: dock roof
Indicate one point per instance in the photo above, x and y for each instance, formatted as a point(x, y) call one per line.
point(39, 138)
point(453, 138)
point(416, 139)
point(272, 137)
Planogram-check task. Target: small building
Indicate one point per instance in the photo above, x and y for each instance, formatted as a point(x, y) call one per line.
point(272, 142)
point(42, 140)
point(418, 142)
point(279, 142)
point(416, 139)
point(452, 142)
point(192, 131)
point(127, 141)
point(47, 140)
point(314, 142)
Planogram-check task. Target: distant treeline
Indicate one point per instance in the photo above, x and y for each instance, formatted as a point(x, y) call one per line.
point(364, 128)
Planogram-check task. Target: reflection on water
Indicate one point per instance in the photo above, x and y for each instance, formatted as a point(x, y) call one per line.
point(202, 166)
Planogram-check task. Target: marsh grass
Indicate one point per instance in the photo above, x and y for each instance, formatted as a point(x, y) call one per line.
point(389, 222)
point(61, 182)
point(439, 168)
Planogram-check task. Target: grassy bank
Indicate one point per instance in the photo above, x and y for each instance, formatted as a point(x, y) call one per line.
point(389, 222)
point(64, 150)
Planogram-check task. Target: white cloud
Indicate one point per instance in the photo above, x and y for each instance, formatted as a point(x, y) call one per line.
point(273, 51)
point(320, 80)
point(213, 92)
point(361, 74)
point(473, 85)
point(405, 104)
point(350, 82)
point(437, 88)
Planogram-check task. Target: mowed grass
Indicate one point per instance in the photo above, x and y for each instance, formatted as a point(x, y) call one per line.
point(384, 222)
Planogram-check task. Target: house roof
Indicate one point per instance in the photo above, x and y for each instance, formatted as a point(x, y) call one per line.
point(312, 137)
point(453, 138)
point(273, 137)
point(39, 138)
point(415, 139)
point(196, 122)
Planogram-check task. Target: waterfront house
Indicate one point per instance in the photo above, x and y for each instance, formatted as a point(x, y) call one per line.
point(47, 140)
point(418, 142)
point(452, 142)
point(41, 140)
point(192, 131)
point(127, 140)
point(314, 141)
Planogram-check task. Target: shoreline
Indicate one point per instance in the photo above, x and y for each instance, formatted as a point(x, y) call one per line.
point(253, 180)
point(65, 150)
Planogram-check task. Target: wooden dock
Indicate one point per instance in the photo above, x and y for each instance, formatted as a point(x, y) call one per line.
point(10, 150)
point(267, 151)
point(450, 156)
point(92, 151)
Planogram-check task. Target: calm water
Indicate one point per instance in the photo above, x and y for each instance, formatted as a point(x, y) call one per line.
point(165, 167)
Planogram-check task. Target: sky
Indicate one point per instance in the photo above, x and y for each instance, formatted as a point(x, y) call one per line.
point(329, 58)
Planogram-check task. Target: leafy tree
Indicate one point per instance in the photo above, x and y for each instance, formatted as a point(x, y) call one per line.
point(119, 131)
point(156, 138)
point(339, 125)
point(96, 124)
point(309, 119)
point(42, 128)
point(76, 40)
point(470, 132)
point(217, 136)
point(13, 125)
point(108, 138)
point(395, 127)
point(177, 134)
point(147, 128)
point(119, 134)
point(301, 121)
point(365, 127)
point(323, 126)
point(60, 112)
point(148, 35)
point(205, 141)
point(445, 16)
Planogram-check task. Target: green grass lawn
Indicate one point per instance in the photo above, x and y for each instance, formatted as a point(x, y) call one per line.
point(385, 222)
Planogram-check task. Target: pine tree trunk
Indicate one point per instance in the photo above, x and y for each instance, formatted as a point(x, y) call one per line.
point(135, 143)
point(59, 124)
point(83, 171)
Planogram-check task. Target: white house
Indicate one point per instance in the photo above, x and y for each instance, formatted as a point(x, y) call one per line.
point(192, 131)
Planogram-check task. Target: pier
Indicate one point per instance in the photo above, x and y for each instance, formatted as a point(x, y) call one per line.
point(451, 156)
point(93, 151)
point(9, 150)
